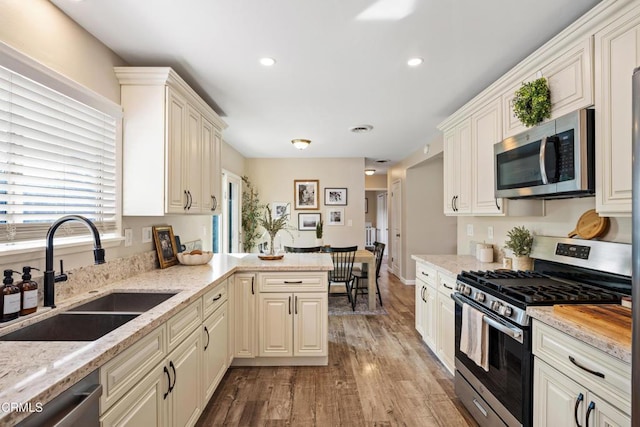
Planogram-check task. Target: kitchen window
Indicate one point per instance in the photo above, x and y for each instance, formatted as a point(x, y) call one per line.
point(58, 156)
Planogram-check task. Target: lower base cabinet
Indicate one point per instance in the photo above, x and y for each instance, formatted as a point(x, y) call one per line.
point(214, 348)
point(170, 395)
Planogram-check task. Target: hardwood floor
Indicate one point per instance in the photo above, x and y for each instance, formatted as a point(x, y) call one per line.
point(380, 373)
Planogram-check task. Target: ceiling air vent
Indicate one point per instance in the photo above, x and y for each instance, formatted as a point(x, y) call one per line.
point(361, 128)
point(382, 161)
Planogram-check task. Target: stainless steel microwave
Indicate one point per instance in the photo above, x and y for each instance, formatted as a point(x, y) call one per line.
point(549, 161)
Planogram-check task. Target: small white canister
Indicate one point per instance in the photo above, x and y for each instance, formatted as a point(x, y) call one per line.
point(484, 252)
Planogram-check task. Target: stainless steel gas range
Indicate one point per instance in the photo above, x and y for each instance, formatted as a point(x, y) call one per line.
point(566, 271)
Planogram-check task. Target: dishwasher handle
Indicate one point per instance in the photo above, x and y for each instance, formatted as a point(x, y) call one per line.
point(89, 397)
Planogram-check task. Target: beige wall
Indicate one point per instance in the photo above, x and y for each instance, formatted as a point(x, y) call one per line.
point(375, 182)
point(372, 202)
point(232, 160)
point(274, 180)
point(39, 30)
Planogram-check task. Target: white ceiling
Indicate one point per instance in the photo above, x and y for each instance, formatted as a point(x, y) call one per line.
point(334, 69)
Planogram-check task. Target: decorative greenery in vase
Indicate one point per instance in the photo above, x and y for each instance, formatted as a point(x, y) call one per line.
point(273, 225)
point(532, 102)
point(519, 241)
point(251, 209)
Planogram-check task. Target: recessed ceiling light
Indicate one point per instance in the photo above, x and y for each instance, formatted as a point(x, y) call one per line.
point(267, 62)
point(382, 161)
point(361, 128)
point(414, 62)
point(369, 171)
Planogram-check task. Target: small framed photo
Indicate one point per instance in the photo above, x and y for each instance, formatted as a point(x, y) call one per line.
point(308, 221)
point(280, 209)
point(335, 197)
point(305, 194)
point(335, 216)
point(366, 205)
point(165, 245)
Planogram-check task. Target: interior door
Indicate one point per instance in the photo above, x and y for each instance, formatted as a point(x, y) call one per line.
point(382, 229)
point(396, 226)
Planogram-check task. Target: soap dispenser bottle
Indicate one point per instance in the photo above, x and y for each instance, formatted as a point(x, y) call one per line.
point(10, 297)
point(28, 292)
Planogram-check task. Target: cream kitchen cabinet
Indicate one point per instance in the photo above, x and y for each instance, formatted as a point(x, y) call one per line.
point(617, 54)
point(446, 321)
point(576, 382)
point(244, 316)
point(457, 168)
point(426, 305)
point(167, 393)
point(171, 145)
point(486, 130)
point(569, 75)
point(292, 324)
point(215, 335)
point(293, 315)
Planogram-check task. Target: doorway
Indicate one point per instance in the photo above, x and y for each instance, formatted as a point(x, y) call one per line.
point(226, 227)
point(396, 226)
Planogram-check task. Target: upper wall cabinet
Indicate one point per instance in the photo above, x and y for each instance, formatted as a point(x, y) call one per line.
point(570, 79)
point(457, 168)
point(617, 53)
point(171, 145)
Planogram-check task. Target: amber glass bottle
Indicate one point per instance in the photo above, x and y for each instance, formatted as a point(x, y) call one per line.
point(10, 298)
point(28, 292)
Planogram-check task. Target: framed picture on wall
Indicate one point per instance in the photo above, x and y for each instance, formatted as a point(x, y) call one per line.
point(366, 205)
point(308, 221)
point(280, 209)
point(305, 194)
point(335, 197)
point(165, 245)
point(335, 216)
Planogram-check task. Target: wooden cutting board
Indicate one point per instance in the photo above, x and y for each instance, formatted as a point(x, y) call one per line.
point(611, 320)
point(590, 225)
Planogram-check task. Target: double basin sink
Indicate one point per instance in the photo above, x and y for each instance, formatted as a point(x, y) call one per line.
point(91, 320)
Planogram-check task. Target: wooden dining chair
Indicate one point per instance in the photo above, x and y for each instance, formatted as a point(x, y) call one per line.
point(378, 251)
point(298, 250)
point(342, 269)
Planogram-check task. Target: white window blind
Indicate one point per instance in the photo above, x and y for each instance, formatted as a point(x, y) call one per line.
point(58, 157)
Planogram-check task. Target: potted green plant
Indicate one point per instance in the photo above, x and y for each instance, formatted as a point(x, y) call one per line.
point(251, 210)
point(519, 241)
point(319, 233)
point(273, 225)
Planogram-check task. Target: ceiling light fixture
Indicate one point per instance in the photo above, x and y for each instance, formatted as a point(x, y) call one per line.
point(267, 62)
point(361, 128)
point(369, 171)
point(414, 62)
point(300, 144)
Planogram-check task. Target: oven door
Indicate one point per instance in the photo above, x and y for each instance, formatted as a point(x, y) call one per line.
point(509, 379)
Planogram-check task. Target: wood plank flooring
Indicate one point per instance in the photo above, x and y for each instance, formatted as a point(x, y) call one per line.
point(380, 373)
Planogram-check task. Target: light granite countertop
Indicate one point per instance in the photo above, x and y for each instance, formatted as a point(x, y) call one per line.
point(36, 372)
point(452, 265)
point(618, 349)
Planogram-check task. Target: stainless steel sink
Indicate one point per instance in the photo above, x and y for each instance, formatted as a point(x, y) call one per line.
point(125, 302)
point(70, 327)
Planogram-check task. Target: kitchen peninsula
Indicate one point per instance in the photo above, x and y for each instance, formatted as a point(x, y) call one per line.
point(44, 369)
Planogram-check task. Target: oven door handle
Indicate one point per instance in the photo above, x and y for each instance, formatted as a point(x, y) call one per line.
point(515, 333)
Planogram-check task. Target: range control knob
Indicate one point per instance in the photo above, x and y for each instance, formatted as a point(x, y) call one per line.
point(496, 305)
point(466, 290)
point(505, 310)
point(479, 296)
point(459, 287)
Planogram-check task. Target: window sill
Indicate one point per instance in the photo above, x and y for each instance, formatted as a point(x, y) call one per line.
point(35, 249)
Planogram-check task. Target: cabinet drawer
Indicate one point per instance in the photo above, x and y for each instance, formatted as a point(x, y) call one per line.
point(121, 373)
point(446, 284)
point(426, 274)
point(183, 324)
point(214, 299)
point(556, 348)
point(292, 282)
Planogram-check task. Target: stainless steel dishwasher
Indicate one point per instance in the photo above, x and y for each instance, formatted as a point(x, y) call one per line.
point(77, 406)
